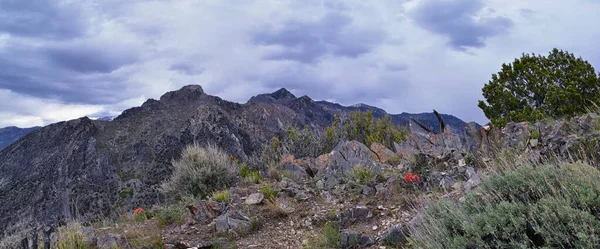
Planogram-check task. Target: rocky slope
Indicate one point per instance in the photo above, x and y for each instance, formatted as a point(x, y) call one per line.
point(10, 134)
point(92, 168)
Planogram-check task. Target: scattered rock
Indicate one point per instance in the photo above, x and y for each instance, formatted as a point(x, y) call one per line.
point(516, 135)
point(367, 191)
point(206, 211)
point(358, 213)
point(255, 199)
point(352, 239)
point(302, 196)
point(285, 205)
point(473, 179)
point(182, 245)
point(233, 222)
point(295, 169)
point(533, 142)
point(383, 191)
point(393, 236)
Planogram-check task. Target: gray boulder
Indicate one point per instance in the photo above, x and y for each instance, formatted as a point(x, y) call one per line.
point(473, 179)
point(343, 159)
point(206, 211)
point(352, 239)
point(294, 169)
point(254, 199)
point(355, 214)
point(233, 222)
point(516, 135)
point(393, 236)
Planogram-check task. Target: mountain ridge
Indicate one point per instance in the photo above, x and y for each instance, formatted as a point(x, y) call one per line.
point(11, 134)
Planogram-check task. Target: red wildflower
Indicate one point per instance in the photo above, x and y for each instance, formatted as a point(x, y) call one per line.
point(411, 178)
point(138, 210)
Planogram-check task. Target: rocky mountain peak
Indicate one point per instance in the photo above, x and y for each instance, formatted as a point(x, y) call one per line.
point(186, 93)
point(306, 98)
point(282, 94)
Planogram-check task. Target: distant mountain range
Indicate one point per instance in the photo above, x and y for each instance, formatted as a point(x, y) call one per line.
point(82, 168)
point(10, 134)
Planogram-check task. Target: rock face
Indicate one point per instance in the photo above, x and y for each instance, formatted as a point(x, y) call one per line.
point(8, 135)
point(88, 169)
point(383, 153)
point(60, 172)
point(345, 157)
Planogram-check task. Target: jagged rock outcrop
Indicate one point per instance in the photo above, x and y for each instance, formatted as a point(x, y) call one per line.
point(345, 157)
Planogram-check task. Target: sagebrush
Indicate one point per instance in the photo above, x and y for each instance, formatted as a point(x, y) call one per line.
point(200, 171)
point(71, 237)
point(551, 206)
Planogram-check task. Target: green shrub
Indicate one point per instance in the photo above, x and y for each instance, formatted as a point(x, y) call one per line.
point(253, 177)
point(364, 128)
point(168, 215)
point(268, 192)
point(586, 149)
point(140, 235)
point(71, 237)
point(328, 238)
point(244, 170)
point(222, 196)
point(332, 235)
point(534, 133)
point(302, 143)
point(362, 175)
point(545, 207)
point(200, 171)
point(272, 153)
point(395, 160)
point(596, 123)
point(331, 136)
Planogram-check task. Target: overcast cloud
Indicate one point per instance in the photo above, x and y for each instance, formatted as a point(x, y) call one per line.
point(63, 59)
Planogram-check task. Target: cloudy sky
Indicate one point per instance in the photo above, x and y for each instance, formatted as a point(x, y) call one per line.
point(66, 59)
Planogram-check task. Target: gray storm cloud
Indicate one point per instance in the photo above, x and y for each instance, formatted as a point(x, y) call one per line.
point(98, 58)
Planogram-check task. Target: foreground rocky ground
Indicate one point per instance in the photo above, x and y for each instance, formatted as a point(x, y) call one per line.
point(367, 211)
